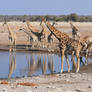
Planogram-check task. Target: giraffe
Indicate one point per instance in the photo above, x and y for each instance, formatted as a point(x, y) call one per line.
point(75, 32)
point(66, 44)
point(12, 38)
point(39, 35)
point(31, 37)
point(86, 40)
point(44, 38)
point(47, 37)
point(50, 39)
point(89, 47)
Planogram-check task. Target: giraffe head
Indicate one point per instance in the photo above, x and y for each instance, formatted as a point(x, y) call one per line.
point(70, 22)
point(54, 23)
point(4, 23)
point(43, 20)
point(21, 29)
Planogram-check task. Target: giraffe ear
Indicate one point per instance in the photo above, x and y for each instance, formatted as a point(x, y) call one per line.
point(43, 19)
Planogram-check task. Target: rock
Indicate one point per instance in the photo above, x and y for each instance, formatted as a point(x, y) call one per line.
point(4, 90)
point(35, 87)
point(47, 87)
point(89, 86)
point(78, 90)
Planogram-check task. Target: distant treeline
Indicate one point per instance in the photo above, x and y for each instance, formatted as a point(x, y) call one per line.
point(70, 17)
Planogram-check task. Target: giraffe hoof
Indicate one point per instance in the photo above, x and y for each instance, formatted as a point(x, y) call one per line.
point(68, 71)
point(61, 71)
point(86, 64)
point(77, 70)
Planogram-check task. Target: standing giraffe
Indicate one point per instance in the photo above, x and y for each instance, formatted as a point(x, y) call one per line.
point(31, 28)
point(12, 38)
point(75, 32)
point(31, 37)
point(85, 41)
point(48, 38)
point(66, 44)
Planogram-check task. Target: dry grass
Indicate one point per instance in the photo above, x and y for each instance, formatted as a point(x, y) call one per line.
point(4, 82)
point(27, 84)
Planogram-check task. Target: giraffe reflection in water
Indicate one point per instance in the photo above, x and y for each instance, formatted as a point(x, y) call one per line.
point(12, 63)
point(44, 64)
point(33, 66)
point(40, 63)
point(50, 63)
point(36, 64)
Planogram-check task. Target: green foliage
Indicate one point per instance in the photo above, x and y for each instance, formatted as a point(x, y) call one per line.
point(71, 17)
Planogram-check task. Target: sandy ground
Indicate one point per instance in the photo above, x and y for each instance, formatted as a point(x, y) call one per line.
point(21, 37)
point(66, 82)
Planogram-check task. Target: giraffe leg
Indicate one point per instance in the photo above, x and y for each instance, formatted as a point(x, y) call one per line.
point(62, 60)
point(14, 46)
point(81, 61)
point(86, 61)
point(78, 61)
point(67, 62)
point(14, 60)
point(10, 47)
point(72, 59)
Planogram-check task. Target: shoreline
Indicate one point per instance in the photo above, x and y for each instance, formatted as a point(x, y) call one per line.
point(65, 82)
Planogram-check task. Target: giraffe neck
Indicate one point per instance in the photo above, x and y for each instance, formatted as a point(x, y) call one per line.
point(58, 34)
point(10, 32)
point(26, 32)
point(73, 27)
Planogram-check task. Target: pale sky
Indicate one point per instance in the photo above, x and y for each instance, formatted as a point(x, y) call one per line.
point(45, 7)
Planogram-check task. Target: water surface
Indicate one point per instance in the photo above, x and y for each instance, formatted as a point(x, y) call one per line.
point(21, 64)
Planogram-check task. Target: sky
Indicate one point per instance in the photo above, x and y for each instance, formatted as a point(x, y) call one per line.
point(45, 7)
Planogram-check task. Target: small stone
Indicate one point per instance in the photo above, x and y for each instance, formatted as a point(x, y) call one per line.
point(89, 86)
point(47, 87)
point(78, 90)
point(4, 89)
point(12, 87)
point(35, 87)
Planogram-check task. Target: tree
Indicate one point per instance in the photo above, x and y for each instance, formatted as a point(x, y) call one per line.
point(73, 17)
